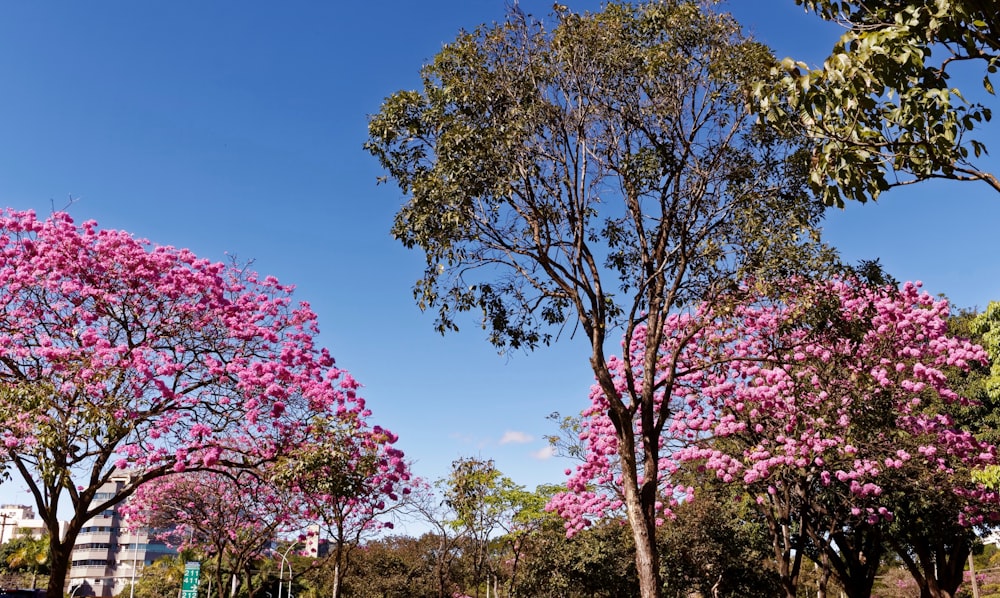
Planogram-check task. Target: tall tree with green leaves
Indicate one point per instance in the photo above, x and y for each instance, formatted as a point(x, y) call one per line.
point(596, 563)
point(487, 505)
point(883, 108)
point(716, 545)
point(595, 171)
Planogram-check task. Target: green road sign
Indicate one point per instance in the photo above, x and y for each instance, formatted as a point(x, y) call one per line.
point(192, 572)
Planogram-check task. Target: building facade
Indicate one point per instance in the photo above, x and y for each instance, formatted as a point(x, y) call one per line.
point(17, 520)
point(107, 556)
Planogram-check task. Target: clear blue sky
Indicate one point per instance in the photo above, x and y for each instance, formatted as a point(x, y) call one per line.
point(236, 128)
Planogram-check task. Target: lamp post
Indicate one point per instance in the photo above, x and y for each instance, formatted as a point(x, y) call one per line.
point(281, 570)
point(135, 557)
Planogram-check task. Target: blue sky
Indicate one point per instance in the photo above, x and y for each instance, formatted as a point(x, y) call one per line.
point(236, 129)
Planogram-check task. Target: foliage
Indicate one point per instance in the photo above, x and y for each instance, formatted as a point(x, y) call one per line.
point(981, 383)
point(821, 407)
point(495, 517)
point(119, 355)
point(163, 577)
point(25, 553)
point(598, 562)
point(398, 566)
point(595, 170)
point(351, 486)
point(883, 110)
point(451, 569)
point(717, 545)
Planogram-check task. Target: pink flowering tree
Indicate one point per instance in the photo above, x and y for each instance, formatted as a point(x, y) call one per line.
point(689, 345)
point(229, 517)
point(824, 406)
point(122, 359)
point(351, 485)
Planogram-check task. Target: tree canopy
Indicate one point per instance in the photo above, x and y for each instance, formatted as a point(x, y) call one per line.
point(883, 109)
point(594, 171)
point(121, 359)
point(834, 412)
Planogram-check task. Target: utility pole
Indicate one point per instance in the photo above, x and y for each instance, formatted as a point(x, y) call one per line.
point(972, 574)
point(3, 526)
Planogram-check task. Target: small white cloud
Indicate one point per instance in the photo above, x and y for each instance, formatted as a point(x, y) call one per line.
point(546, 452)
point(512, 437)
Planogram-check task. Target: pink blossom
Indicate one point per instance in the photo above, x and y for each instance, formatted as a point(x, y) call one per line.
point(162, 362)
point(759, 376)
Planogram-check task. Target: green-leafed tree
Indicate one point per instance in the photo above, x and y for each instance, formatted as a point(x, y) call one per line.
point(598, 562)
point(394, 566)
point(527, 517)
point(26, 553)
point(163, 577)
point(883, 108)
point(984, 328)
point(494, 516)
point(598, 171)
point(717, 546)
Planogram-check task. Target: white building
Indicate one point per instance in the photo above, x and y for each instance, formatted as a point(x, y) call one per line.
point(15, 520)
point(107, 556)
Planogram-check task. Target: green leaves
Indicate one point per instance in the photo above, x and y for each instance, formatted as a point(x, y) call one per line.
point(881, 111)
point(598, 170)
point(549, 167)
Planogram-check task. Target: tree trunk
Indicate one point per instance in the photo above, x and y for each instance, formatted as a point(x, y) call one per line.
point(821, 583)
point(938, 568)
point(643, 529)
point(785, 550)
point(639, 503)
point(646, 558)
point(60, 555)
point(220, 580)
point(248, 576)
point(58, 570)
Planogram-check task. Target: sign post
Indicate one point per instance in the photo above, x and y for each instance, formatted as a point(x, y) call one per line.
point(192, 574)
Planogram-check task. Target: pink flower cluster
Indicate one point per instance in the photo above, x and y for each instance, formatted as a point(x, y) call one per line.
point(837, 384)
point(150, 359)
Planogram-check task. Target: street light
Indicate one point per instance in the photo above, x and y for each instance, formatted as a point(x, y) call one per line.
point(281, 570)
point(135, 557)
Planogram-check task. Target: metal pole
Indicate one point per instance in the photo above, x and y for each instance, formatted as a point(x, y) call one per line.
point(281, 571)
point(135, 557)
point(281, 574)
point(972, 574)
